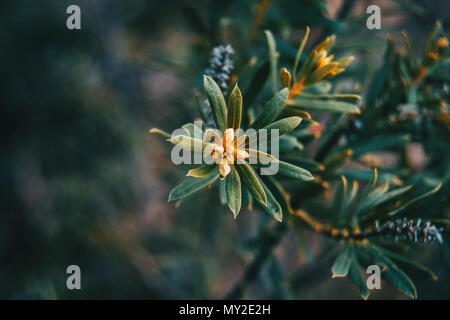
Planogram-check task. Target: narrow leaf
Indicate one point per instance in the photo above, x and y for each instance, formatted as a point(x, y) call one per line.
point(201, 171)
point(409, 203)
point(251, 182)
point(160, 132)
point(341, 266)
point(192, 185)
point(273, 207)
point(273, 60)
point(189, 144)
point(233, 188)
point(289, 143)
point(299, 53)
point(216, 101)
point(271, 109)
point(193, 131)
point(284, 126)
point(234, 109)
point(324, 105)
point(223, 191)
point(356, 277)
point(295, 172)
point(395, 275)
point(409, 261)
point(339, 200)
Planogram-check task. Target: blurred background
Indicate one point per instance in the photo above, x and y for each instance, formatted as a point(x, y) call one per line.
point(84, 183)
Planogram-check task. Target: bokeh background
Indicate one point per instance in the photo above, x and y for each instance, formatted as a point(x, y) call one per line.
point(83, 182)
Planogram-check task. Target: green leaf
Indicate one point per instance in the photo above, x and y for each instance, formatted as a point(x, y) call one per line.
point(349, 199)
point(193, 131)
point(308, 164)
point(409, 261)
point(339, 200)
point(324, 105)
point(365, 175)
point(371, 198)
point(391, 195)
point(294, 172)
point(355, 276)
point(271, 109)
point(201, 171)
point(395, 275)
point(192, 185)
point(160, 132)
point(320, 88)
point(251, 182)
point(273, 60)
point(330, 95)
point(223, 191)
point(284, 126)
point(189, 144)
point(341, 266)
point(233, 187)
point(288, 143)
point(409, 203)
point(216, 101)
point(374, 202)
point(299, 53)
point(234, 108)
point(273, 207)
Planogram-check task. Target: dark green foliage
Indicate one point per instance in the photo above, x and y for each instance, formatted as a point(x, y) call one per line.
point(82, 182)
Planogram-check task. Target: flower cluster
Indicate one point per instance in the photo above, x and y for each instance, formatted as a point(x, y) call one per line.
point(413, 230)
point(308, 86)
point(229, 154)
point(220, 66)
point(319, 66)
point(227, 150)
